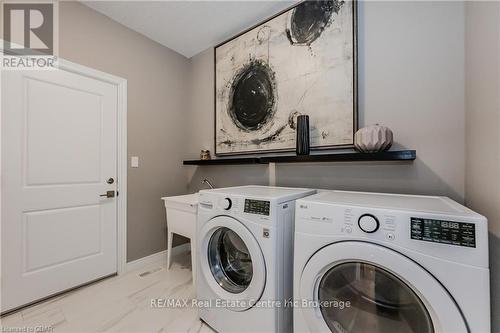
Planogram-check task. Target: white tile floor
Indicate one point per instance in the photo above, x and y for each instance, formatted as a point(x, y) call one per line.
point(119, 304)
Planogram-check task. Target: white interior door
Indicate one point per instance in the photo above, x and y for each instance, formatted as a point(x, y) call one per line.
point(59, 148)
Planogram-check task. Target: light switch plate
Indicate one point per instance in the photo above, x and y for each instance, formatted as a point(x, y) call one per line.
point(134, 162)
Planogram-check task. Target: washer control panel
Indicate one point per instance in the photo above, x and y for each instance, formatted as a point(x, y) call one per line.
point(259, 207)
point(227, 204)
point(368, 223)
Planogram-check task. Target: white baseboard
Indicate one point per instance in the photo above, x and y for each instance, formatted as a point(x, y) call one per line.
point(156, 257)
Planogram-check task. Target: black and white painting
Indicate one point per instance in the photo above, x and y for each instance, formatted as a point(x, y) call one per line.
point(302, 61)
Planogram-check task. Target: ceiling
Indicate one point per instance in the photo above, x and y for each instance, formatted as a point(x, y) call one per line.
point(189, 27)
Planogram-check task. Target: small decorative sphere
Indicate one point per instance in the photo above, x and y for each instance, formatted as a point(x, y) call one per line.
point(373, 139)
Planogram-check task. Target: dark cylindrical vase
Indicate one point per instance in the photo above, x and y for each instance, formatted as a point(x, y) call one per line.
point(302, 135)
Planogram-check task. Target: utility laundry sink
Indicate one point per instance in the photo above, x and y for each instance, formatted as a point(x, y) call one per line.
point(181, 213)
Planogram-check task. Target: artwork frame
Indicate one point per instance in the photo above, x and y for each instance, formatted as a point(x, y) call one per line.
point(354, 38)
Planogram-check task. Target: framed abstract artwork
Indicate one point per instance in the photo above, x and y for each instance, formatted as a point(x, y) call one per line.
point(300, 61)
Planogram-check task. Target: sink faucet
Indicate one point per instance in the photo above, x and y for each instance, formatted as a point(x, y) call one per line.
point(206, 181)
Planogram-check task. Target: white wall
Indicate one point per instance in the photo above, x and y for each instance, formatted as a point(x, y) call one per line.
point(411, 63)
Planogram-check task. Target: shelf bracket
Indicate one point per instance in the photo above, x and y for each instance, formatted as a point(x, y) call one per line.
point(272, 173)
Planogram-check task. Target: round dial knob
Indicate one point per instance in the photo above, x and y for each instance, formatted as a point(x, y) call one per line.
point(227, 203)
point(368, 223)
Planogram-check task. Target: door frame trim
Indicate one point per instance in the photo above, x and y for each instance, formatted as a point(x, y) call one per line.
point(122, 157)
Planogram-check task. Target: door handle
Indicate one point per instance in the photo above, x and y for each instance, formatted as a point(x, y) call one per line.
point(108, 194)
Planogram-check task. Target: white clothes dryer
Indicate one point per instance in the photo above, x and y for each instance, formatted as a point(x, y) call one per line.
point(368, 262)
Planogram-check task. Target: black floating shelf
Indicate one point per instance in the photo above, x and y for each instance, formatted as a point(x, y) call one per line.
point(397, 155)
point(224, 161)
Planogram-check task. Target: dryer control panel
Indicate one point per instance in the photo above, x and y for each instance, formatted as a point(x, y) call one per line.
point(446, 232)
point(433, 226)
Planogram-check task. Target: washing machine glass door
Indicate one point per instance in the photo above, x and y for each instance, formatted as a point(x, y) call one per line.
point(362, 287)
point(230, 260)
point(232, 263)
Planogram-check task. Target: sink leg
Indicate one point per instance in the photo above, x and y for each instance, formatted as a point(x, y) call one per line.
point(169, 248)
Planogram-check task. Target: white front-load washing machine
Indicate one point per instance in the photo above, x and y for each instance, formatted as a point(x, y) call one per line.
point(245, 246)
point(367, 262)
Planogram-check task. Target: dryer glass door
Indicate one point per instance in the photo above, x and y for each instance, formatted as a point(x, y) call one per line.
point(386, 291)
point(230, 260)
point(379, 301)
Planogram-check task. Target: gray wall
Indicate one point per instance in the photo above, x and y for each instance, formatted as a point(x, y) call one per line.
point(411, 63)
point(482, 95)
point(157, 82)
